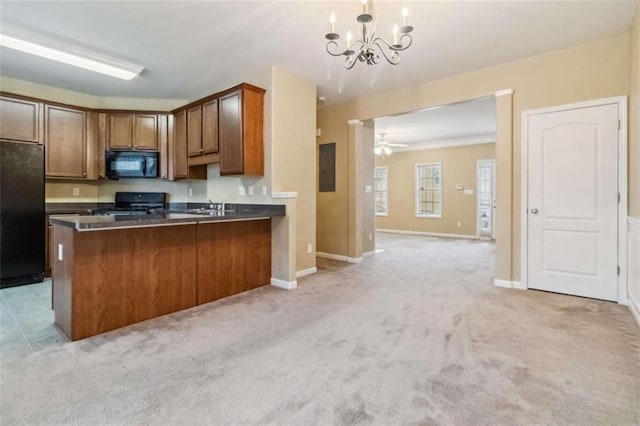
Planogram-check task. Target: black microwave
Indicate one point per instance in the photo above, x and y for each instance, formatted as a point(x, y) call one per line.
point(131, 164)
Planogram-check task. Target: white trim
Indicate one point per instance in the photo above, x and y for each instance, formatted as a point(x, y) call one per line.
point(338, 257)
point(287, 285)
point(284, 195)
point(508, 284)
point(621, 101)
point(503, 92)
point(354, 121)
point(305, 272)
point(633, 221)
point(427, 234)
point(448, 143)
point(369, 253)
point(634, 308)
point(416, 193)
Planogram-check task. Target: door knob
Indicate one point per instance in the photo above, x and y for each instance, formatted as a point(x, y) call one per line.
point(534, 211)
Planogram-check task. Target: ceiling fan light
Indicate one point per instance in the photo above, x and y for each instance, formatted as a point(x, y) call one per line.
point(377, 150)
point(387, 150)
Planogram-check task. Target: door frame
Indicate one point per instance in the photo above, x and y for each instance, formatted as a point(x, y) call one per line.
point(493, 196)
point(621, 101)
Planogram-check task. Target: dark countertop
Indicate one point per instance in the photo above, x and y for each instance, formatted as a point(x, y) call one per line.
point(75, 208)
point(94, 223)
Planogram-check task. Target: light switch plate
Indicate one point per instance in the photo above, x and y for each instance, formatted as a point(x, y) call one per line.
point(190, 192)
point(264, 191)
point(241, 190)
point(309, 248)
point(459, 187)
point(60, 252)
point(250, 190)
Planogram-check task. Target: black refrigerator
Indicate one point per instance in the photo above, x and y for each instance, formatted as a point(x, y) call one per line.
point(22, 215)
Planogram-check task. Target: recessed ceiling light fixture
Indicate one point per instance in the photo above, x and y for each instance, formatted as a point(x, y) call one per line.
point(86, 60)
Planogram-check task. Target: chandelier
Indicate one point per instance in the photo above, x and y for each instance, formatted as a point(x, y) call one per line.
point(368, 47)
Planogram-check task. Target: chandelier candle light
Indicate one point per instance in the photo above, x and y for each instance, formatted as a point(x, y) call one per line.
point(367, 47)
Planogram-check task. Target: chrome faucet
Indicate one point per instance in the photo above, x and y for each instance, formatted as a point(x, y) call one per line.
point(212, 205)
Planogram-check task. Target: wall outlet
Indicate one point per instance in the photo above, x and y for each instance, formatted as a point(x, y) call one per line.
point(76, 192)
point(459, 224)
point(368, 189)
point(250, 189)
point(190, 192)
point(241, 190)
point(264, 191)
point(60, 252)
point(370, 236)
point(309, 248)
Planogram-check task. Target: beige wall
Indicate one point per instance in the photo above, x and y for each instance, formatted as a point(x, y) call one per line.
point(634, 119)
point(459, 166)
point(294, 154)
point(588, 71)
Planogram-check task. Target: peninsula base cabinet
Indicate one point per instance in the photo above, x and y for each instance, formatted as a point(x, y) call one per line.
point(107, 279)
point(232, 257)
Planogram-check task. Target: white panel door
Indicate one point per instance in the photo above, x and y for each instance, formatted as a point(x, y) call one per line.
point(572, 214)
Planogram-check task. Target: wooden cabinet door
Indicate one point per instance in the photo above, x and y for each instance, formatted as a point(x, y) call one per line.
point(231, 149)
point(120, 131)
point(210, 127)
point(19, 120)
point(163, 146)
point(194, 131)
point(179, 149)
point(145, 132)
point(65, 140)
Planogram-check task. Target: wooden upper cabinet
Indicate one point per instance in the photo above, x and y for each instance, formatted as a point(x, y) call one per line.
point(120, 131)
point(179, 148)
point(132, 131)
point(163, 145)
point(210, 127)
point(231, 150)
point(145, 132)
point(65, 141)
point(20, 120)
point(241, 124)
point(194, 131)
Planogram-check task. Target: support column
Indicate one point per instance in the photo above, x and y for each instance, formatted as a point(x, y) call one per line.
point(355, 191)
point(504, 188)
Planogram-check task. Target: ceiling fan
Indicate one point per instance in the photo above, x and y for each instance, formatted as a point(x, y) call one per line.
point(383, 147)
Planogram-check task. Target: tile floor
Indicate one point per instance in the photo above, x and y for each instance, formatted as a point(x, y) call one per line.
point(26, 320)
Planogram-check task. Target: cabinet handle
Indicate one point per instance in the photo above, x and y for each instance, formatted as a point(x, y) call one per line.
point(84, 174)
point(136, 146)
point(201, 150)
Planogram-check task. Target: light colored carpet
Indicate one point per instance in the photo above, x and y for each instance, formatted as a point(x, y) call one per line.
point(416, 334)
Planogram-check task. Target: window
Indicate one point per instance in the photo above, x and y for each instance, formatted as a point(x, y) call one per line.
point(429, 190)
point(380, 185)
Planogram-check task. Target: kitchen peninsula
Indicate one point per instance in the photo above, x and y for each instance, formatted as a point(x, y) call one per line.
point(109, 272)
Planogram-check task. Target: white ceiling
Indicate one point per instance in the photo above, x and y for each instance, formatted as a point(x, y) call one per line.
point(191, 48)
point(472, 121)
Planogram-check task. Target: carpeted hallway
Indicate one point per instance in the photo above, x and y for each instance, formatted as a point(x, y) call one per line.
point(416, 334)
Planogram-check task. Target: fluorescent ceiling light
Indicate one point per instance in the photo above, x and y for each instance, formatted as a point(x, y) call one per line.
point(99, 64)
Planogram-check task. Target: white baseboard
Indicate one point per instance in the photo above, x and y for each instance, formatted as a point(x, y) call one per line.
point(287, 285)
point(305, 272)
point(634, 308)
point(509, 284)
point(369, 253)
point(338, 257)
point(428, 234)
